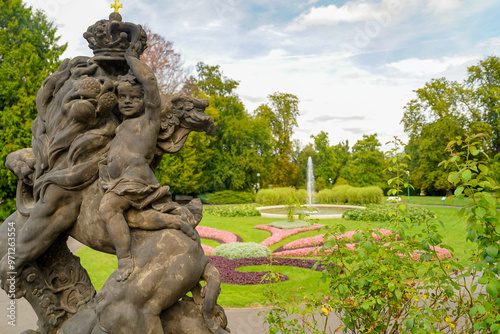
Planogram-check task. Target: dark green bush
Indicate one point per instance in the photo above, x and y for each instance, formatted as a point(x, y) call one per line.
point(243, 210)
point(228, 197)
point(382, 213)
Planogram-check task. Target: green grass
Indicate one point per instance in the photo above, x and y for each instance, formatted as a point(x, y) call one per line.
point(437, 200)
point(100, 265)
point(252, 295)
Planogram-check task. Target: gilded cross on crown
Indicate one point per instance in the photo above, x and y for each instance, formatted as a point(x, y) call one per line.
point(117, 5)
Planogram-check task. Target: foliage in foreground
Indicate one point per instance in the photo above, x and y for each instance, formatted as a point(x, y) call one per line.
point(243, 210)
point(385, 213)
point(383, 291)
point(239, 250)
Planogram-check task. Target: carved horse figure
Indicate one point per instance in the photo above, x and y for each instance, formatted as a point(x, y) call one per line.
point(59, 194)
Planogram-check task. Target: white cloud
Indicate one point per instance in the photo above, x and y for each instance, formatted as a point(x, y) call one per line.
point(426, 67)
point(331, 15)
point(444, 6)
point(355, 11)
point(344, 95)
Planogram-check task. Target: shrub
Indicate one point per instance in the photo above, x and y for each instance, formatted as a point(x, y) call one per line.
point(346, 194)
point(385, 213)
point(240, 250)
point(280, 196)
point(243, 210)
point(228, 197)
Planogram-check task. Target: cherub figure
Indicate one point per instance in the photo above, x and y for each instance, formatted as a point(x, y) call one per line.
point(128, 178)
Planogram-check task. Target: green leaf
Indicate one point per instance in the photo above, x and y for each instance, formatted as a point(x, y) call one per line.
point(492, 251)
point(480, 212)
point(483, 168)
point(408, 323)
point(459, 190)
point(471, 235)
point(466, 175)
point(493, 289)
point(483, 280)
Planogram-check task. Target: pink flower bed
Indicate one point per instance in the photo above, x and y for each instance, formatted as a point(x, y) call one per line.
point(207, 249)
point(213, 233)
point(278, 234)
point(319, 240)
point(442, 253)
point(307, 251)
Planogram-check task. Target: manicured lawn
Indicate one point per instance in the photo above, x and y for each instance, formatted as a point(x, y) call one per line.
point(100, 265)
point(437, 200)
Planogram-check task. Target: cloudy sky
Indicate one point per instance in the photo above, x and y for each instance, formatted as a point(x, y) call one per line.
point(352, 64)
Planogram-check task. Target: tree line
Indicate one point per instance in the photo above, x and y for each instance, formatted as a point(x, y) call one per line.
point(252, 147)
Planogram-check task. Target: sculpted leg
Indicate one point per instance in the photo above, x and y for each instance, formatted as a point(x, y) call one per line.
point(112, 211)
point(50, 217)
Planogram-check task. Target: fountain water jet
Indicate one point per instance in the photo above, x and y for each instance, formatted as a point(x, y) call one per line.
point(310, 180)
point(322, 211)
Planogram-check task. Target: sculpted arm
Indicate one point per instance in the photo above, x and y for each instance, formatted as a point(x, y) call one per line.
point(146, 77)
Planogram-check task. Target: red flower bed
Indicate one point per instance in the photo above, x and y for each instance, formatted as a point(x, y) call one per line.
point(229, 275)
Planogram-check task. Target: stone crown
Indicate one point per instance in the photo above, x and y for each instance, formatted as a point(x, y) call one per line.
point(110, 39)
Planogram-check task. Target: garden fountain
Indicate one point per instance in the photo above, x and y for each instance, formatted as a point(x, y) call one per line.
point(310, 180)
point(320, 211)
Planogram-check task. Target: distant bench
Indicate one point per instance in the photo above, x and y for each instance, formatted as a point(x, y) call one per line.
point(393, 199)
point(183, 197)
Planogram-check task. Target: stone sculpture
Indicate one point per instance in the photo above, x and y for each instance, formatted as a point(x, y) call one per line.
point(99, 135)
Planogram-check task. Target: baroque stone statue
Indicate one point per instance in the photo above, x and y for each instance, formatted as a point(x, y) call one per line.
point(98, 137)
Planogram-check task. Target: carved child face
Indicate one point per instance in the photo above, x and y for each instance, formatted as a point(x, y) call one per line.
point(130, 99)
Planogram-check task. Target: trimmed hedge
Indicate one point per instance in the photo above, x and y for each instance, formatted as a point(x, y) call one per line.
point(228, 197)
point(239, 250)
point(280, 196)
point(243, 210)
point(346, 194)
point(383, 213)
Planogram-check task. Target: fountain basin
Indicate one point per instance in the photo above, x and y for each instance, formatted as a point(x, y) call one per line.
point(325, 211)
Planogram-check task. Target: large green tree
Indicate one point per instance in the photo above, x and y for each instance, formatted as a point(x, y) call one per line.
point(443, 110)
point(281, 116)
point(231, 159)
point(367, 163)
point(330, 160)
point(484, 82)
point(28, 54)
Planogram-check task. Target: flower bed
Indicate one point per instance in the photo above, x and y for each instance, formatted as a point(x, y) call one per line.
point(207, 249)
point(222, 237)
point(278, 234)
point(310, 246)
point(319, 240)
point(229, 275)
